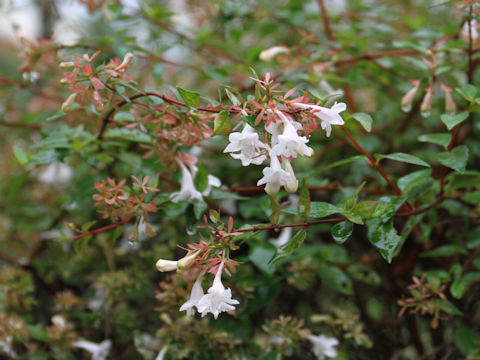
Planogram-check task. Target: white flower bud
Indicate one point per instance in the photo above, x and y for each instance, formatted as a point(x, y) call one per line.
point(67, 104)
point(166, 265)
point(66, 64)
point(270, 53)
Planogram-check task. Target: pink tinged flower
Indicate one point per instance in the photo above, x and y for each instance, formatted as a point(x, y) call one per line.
point(195, 296)
point(272, 52)
point(323, 346)
point(426, 105)
point(187, 189)
point(274, 177)
point(98, 351)
point(328, 117)
point(246, 146)
point(290, 144)
point(407, 99)
point(218, 299)
point(450, 106)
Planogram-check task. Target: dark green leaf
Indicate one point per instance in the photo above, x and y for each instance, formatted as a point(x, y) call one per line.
point(402, 157)
point(442, 139)
point(467, 341)
point(455, 159)
point(294, 243)
point(444, 250)
point(342, 231)
point(304, 203)
point(201, 178)
point(413, 179)
point(320, 209)
point(261, 255)
point(468, 91)
point(384, 237)
point(337, 279)
point(364, 274)
point(222, 124)
point(452, 120)
point(472, 198)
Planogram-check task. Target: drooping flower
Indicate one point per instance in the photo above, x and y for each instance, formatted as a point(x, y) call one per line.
point(407, 99)
point(98, 351)
point(327, 116)
point(247, 145)
point(450, 106)
point(290, 144)
point(272, 52)
point(195, 296)
point(283, 238)
point(187, 189)
point(217, 299)
point(274, 177)
point(323, 346)
point(292, 186)
point(426, 105)
point(163, 265)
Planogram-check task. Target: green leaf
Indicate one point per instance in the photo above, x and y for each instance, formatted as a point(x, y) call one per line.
point(466, 340)
point(124, 116)
point(387, 206)
point(134, 135)
point(337, 279)
point(190, 98)
point(468, 92)
point(444, 250)
point(364, 119)
point(47, 156)
point(233, 98)
point(347, 161)
point(384, 237)
point(365, 209)
point(452, 120)
point(363, 273)
point(20, 154)
point(342, 231)
point(455, 159)
point(304, 203)
point(274, 210)
point(472, 198)
point(442, 139)
point(402, 157)
point(222, 124)
point(320, 209)
point(201, 178)
point(413, 179)
point(261, 255)
point(294, 243)
point(461, 284)
point(467, 180)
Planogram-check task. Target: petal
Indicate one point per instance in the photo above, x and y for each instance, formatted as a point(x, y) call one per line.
point(338, 108)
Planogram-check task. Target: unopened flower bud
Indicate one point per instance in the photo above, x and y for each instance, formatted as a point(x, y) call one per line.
point(292, 186)
point(270, 53)
point(63, 81)
point(450, 106)
point(407, 99)
point(128, 57)
point(67, 104)
point(166, 265)
point(66, 64)
point(187, 260)
point(427, 103)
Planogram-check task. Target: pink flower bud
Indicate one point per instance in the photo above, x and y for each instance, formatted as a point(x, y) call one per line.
point(407, 99)
point(427, 103)
point(450, 106)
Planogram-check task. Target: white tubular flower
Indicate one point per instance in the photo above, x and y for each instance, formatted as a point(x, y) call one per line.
point(218, 298)
point(426, 105)
point(163, 265)
point(323, 346)
point(55, 173)
point(407, 99)
point(293, 186)
point(274, 177)
point(98, 351)
point(327, 116)
point(162, 353)
point(248, 145)
point(195, 296)
point(290, 144)
point(333, 95)
point(272, 52)
point(187, 190)
point(283, 238)
point(212, 180)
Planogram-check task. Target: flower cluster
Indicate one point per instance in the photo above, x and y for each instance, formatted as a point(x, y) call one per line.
point(284, 145)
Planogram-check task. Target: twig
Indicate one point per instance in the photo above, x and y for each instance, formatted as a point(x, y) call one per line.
point(104, 228)
point(326, 21)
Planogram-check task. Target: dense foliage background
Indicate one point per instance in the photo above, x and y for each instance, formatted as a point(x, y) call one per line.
point(380, 241)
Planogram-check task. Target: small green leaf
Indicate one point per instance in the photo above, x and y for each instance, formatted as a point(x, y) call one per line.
point(387, 207)
point(337, 279)
point(402, 157)
point(365, 209)
point(455, 159)
point(232, 98)
point(445, 250)
point(294, 243)
point(320, 209)
point(466, 340)
point(342, 231)
point(134, 135)
point(364, 119)
point(413, 179)
point(222, 124)
point(468, 92)
point(201, 178)
point(190, 98)
point(304, 203)
point(20, 154)
point(452, 120)
point(384, 237)
point(363, 273)
point(261, 255)
point(442, 139)
point(124, 116)
point(472, 198)
point(347, 161)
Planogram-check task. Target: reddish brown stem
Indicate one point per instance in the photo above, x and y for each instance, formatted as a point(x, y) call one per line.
point(375, 55)
point(326, 21)
point(105, 228)
point(281, 226)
